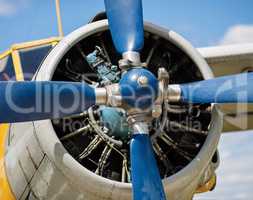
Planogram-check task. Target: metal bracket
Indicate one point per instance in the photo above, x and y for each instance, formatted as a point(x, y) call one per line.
point(163, 77)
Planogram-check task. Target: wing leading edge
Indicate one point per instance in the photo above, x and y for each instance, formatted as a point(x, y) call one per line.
point(226, 60)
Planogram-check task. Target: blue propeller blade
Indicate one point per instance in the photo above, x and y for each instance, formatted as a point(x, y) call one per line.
point(126, 24)
point(33, 100)
point(227, 89)
point(146, 181)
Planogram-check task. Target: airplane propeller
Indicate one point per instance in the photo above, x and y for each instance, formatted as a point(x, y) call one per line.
point(37, 100)
point(127, 29)
point(126, 24)
point(226, 89)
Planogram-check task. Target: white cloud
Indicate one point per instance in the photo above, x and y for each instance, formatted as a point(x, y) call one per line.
point(11, 7)
point(6, 8)
point(238, 34)
point(235, 177)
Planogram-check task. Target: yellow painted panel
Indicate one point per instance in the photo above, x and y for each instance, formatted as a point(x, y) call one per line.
point(31, 44)
point(5, 54)
point(17, 66)
point(35, 43)
point(5, 190)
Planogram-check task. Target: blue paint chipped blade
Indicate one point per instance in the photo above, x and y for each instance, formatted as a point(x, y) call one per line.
point(126, 24)
point(146, 181)
point(34, 100)
point(227, 89)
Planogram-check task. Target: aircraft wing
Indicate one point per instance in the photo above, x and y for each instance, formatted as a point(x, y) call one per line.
point(232, 59)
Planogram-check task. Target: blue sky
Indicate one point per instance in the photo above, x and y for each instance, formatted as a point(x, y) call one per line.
point(202, 22)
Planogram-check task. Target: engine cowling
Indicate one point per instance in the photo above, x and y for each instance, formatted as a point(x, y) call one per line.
point(79, 156)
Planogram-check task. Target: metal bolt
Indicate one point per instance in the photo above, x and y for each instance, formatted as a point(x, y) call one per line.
point(143, 80)
point(156, 111)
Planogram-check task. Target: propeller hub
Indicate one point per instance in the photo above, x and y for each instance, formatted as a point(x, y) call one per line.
point(139, 88)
